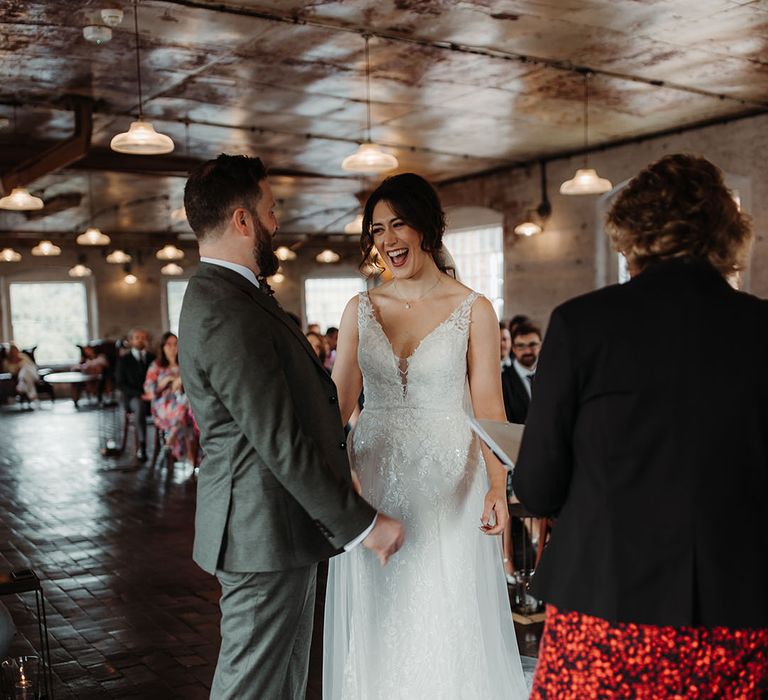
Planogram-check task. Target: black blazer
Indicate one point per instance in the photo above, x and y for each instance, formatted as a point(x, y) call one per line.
point(130, 374)
point(656, 465)
point(516, 399)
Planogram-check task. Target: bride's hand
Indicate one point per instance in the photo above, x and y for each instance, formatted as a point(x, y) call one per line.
point(356, 483)
point(495, 513)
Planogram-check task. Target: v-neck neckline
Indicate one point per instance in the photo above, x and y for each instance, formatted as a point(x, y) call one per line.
point(374, 315)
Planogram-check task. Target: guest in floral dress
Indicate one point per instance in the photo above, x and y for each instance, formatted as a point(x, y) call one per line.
point(170, 407)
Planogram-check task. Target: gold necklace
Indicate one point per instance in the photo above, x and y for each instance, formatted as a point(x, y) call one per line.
point(409, 304)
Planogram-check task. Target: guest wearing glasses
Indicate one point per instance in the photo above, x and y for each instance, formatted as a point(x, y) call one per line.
point(518, 373)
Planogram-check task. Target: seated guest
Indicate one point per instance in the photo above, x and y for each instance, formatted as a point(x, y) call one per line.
point(518, 320)
point(129, 377)
point(92, 363)
point(518, 372)
point(314, 328)
point(318, 344)
point(170, 407)
point(331, 338)
point(622, 444)
point(24, 371)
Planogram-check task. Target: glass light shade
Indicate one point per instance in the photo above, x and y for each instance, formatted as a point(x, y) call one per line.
point(80, 270)
point(20, 200)
point(118, 257)
point(9, 255)
point(93, 236)
point(355, 226)
point(141, 139)
point(46, 249)
point(171, 269)
point(278, 278)
point(586, 181)
point(130, 278)
point(369, 158)
point(283, 253)
point(169, 252)
point(527, 228)
point(179, 214)
point(328, 256)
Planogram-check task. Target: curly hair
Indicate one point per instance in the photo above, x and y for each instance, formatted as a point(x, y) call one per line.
point(677, 207)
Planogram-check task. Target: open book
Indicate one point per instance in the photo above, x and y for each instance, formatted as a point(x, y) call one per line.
point(503, 439)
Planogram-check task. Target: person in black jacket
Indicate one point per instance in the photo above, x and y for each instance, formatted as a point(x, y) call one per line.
point(518, 373)
point(651, 592)
point(130, 374)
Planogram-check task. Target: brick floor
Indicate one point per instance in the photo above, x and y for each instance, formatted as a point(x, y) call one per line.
point(129, 614)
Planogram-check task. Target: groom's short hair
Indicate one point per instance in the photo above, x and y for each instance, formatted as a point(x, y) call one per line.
point(217, 187)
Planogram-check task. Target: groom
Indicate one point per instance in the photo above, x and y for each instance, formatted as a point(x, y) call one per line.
point(274, 492)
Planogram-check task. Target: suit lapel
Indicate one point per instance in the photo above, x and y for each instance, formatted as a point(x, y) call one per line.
point(265, 302)
point(518, 386)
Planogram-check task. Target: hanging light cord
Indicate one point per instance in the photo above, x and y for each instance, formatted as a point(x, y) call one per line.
point(367, 38)
point(586, 118)
point(90, 195)
point(138, 62)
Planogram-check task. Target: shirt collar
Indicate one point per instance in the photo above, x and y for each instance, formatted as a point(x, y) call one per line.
point(235, 267)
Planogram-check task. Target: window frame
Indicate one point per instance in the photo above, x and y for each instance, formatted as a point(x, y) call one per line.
point(165, 316)
point(327, 274)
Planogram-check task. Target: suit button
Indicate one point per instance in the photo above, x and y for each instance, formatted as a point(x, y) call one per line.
point(332, 399)
point(342, 445)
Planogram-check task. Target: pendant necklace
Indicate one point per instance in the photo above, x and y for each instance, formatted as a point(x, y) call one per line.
point(409, 304)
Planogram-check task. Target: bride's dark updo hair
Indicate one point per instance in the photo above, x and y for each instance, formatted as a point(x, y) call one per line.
point(414, 201)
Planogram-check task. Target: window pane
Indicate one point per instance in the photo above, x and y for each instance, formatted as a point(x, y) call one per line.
point(326, 297)
point(479, 257)
point(51, 315)
point(175, 295)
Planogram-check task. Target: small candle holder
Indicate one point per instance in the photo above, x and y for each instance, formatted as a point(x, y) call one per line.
point(20, 678)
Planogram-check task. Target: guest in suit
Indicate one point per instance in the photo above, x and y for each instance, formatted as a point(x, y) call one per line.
point(275, 493)
point(518, 373)
point(331, 339)
point(130, 374)
point(652, 593)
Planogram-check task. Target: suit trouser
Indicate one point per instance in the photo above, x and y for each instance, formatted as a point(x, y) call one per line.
point(140, 409)
point(266, 631)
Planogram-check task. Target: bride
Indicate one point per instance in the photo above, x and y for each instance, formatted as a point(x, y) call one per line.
point(434, 624)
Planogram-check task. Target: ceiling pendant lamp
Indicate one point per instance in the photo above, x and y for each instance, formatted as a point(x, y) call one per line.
point(169, 252)
point(46, 249)
point(283, 253)
point(141, 138)
point(171, 269)
point(118, 257)
point(536, 218)
point(328, 256)
point(369, 158)
point(21, 200)
point(93, 236)
point(129, 278)
point(586, 180)
point(81, 269)
point(9, 255)
point(355, 226)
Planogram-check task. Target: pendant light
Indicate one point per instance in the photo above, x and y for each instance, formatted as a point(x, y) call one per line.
point(129, 278)
point(9, 255)
point(369, 158)
point(328, 256)
point(92, 235)
point(21, 200)
point(171, 269)
point(46, 249)
point(169, 252)
point(283, 253)
point(586, 180)
point(81, 269)
point(536, 218)
point(141, 138)
point(118, 257)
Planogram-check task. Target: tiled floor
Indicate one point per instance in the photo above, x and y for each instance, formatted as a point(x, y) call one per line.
point(129, 613)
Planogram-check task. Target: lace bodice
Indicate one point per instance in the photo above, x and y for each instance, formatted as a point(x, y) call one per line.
point(432, 377)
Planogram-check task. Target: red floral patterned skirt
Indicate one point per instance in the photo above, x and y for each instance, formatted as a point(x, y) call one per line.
point(586, 657)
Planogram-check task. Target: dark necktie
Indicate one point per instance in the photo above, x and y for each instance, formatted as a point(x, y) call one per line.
point(530, 377)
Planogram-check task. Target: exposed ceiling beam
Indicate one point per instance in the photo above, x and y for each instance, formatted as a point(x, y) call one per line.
point(567, 66)
point(59, 155)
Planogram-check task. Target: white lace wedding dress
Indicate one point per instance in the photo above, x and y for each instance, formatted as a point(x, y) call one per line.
point(435, 623)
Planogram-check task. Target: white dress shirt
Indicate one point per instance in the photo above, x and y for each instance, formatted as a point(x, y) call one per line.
point(524, 373)
point(251, 277)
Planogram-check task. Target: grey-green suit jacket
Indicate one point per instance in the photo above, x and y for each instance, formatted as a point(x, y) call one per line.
point(274, 490)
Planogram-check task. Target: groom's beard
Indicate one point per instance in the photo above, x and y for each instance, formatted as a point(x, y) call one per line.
point(263, 254)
